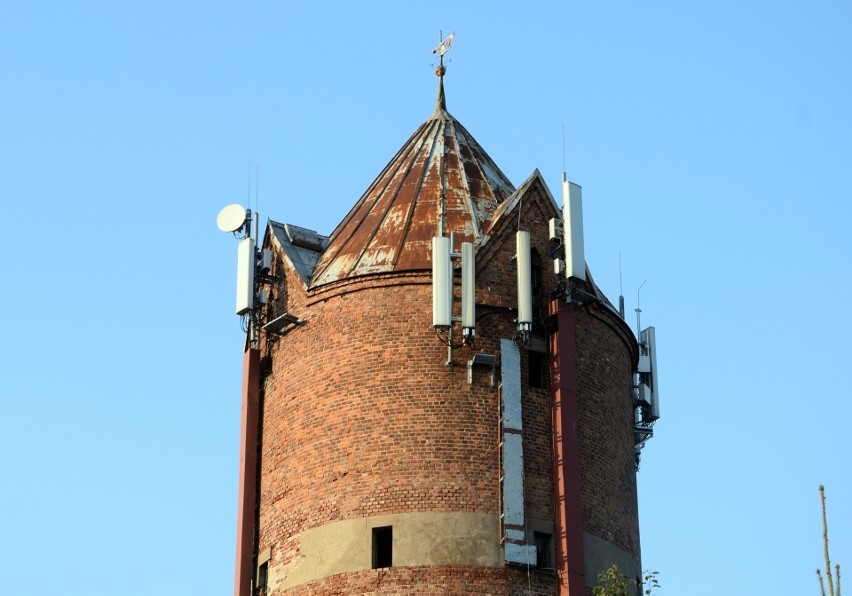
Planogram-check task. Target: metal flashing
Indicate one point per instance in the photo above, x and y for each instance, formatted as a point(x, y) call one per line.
point(302, 246)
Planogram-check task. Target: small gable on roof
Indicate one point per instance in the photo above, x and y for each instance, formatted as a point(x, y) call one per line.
point(534, 188)
point(529, 207)
point(301, 246)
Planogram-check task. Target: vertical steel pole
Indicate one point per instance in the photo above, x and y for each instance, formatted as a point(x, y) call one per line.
point(570, 560)
point(248, 472)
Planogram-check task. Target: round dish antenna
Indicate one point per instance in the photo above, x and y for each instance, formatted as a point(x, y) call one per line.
point(231, 218)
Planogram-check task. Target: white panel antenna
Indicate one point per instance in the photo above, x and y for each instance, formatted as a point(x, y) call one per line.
point(648, 382)
point(572, 216)
point(554, 229)
point(264, 261)
point(442, 282)
point(522, 255)
point(245, 275)
point(234, 218)
point(468, 289)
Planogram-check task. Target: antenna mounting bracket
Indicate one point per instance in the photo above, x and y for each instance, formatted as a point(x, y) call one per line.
point(283, 324)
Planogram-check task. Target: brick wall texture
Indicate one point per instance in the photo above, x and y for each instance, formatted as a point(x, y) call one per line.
point(361, 417)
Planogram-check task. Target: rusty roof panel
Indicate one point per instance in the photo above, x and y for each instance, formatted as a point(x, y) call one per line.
point(440, 177)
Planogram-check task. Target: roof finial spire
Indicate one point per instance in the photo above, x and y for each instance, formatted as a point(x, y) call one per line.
point(443, 48)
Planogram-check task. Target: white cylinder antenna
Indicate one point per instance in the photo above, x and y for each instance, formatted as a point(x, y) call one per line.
point(572, 216)
point(524, 281)
point(468, 289)
point(442, 282)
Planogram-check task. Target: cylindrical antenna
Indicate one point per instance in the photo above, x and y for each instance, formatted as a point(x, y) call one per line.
point(442, 282)
point(522, 239)
point(468, 289)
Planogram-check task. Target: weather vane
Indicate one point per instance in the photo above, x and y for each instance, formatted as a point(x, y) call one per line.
point(442, 49)
point(445, 44)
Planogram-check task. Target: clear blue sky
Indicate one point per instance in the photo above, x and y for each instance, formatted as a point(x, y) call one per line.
point(713, 142)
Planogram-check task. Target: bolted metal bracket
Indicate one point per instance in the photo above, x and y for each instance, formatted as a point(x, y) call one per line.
point(580, 298)
point(283, 324)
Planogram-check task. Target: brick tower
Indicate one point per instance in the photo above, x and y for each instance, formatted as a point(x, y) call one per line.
point(383, 454)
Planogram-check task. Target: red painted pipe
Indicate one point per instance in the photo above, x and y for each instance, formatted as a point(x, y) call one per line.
point(570, 560)
point(248, 473)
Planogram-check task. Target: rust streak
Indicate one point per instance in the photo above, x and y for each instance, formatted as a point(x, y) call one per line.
point(337, 245)
point(441, 171)
point(413, 205)
point(380, 227)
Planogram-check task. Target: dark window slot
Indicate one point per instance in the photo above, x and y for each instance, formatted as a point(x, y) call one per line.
point(382, 547)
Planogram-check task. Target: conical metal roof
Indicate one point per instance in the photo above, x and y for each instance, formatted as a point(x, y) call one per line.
point(440, 181)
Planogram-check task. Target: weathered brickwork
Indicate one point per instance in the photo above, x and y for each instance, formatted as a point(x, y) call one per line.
point(433, 580)
point(605, 409)
point(361, 417)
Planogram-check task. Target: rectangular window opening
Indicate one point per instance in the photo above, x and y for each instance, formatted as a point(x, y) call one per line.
point(543, 550)
point(535, 363)
point(383, 547)
point(262, 574)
